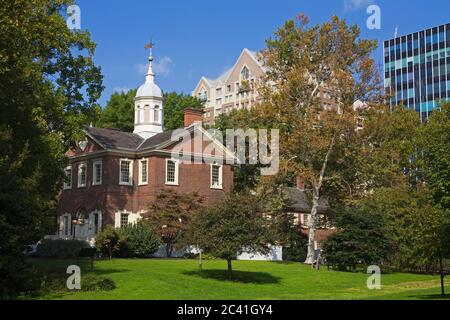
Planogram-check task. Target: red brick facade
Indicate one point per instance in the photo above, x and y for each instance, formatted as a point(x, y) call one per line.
point(110, 197)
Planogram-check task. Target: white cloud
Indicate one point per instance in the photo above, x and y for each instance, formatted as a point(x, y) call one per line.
point(353, 5)
point(121, 89)
point(161, 67)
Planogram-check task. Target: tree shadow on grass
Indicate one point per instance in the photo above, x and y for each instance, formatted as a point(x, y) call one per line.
point(237, 276)
point(432, 297)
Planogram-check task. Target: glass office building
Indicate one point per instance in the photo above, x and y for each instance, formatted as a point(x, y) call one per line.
point(417, 69)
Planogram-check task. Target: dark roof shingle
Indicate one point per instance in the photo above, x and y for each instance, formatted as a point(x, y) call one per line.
point(299, 202)
point(115, 139)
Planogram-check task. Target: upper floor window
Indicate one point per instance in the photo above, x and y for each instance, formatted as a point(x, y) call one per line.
point(82, 175)
point(156, 116)
point(216, 176)
point(97, 173)
point(143, 172)
point(245, 73)
point(68, 178)
point(172, 172)
point(126, 172)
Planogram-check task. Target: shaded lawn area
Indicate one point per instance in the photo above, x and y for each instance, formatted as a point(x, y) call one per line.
point(157, 279)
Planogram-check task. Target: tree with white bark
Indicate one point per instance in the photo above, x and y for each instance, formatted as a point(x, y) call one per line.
point(315, 74)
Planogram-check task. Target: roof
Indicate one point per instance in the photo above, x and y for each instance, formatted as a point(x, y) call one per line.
point(114, 139)
point(299, 201)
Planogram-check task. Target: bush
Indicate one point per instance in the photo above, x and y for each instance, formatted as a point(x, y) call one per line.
point(362, 239)
point(109, 241)
point(295, 249)
point(62, 249)
point(138, 241)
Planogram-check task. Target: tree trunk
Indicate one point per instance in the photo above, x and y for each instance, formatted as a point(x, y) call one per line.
point(441, 267)
point(200, 261)
point(230, 269)
point(169, 250)
point(312, 225)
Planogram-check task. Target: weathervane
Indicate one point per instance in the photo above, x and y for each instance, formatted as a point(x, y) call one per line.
point(150, 46)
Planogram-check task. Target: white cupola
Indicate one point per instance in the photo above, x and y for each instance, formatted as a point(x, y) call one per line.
point(148, 105)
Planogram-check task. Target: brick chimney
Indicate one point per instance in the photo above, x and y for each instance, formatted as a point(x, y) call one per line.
point(300, 183)
point(192, 116)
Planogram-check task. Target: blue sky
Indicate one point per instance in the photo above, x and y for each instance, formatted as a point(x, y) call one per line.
point(204, 37)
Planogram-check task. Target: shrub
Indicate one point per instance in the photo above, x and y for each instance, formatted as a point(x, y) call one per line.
point(362, 239)
point(295, 249)
point(138, 241)
point(109, 241)
point(62, 249)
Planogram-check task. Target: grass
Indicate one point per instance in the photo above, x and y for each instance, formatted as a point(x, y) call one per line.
point(180, 280)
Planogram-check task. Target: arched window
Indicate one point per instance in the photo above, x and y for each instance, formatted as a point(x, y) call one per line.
point(156, 117)
point(147, 113)
point(138, 114)
point(245, 73)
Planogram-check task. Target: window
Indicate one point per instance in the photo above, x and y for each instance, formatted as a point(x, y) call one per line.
point(143, 172)
point(97, 173)
point(171, 172)
point(82, 175)
point(245, 73)
point(124, 219)
point(67, 225)
point(96, 223)
point(68, 178)
point(126, 172)
point(216, 176)
point(156, 114)
point(147, 114)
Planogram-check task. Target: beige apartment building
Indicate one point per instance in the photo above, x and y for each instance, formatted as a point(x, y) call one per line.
point(235, 89)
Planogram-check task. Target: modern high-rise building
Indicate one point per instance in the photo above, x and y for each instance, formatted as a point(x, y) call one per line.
point(417, 69)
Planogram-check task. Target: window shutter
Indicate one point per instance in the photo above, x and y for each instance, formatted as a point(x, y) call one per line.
point(100, 221)
point(61, 226)
point(117, 220)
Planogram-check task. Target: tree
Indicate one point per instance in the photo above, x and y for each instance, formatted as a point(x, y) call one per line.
point(49, 86)
point(174, 106)
point(109, 241)
point(315, 142)
point(140, 241)
point(231, 227)
point(413, 226)
point(170, 215)
point(119, 111)
point(361, 239)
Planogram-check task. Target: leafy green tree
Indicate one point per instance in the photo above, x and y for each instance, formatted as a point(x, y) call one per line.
point(170, 215)
point(361, 239)
point(174, 106)
point(140, 241)
point(119, 112)
point(231, 227)
point(413, 224)
point(49, 86)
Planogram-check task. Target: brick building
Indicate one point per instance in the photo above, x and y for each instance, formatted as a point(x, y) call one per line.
point(114, 175)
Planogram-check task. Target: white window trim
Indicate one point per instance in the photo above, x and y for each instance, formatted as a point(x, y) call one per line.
point(67, 186)
point(80, 185)
point(69, 225)
point(94, 183)
point(131, 173)
point(177, 171)
point(142, 183)
point(220, 186)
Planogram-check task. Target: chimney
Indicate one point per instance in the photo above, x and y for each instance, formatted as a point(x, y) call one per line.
point(192, 116)
point(300, 183)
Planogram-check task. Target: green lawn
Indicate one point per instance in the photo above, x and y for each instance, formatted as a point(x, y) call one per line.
point(180, 280)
